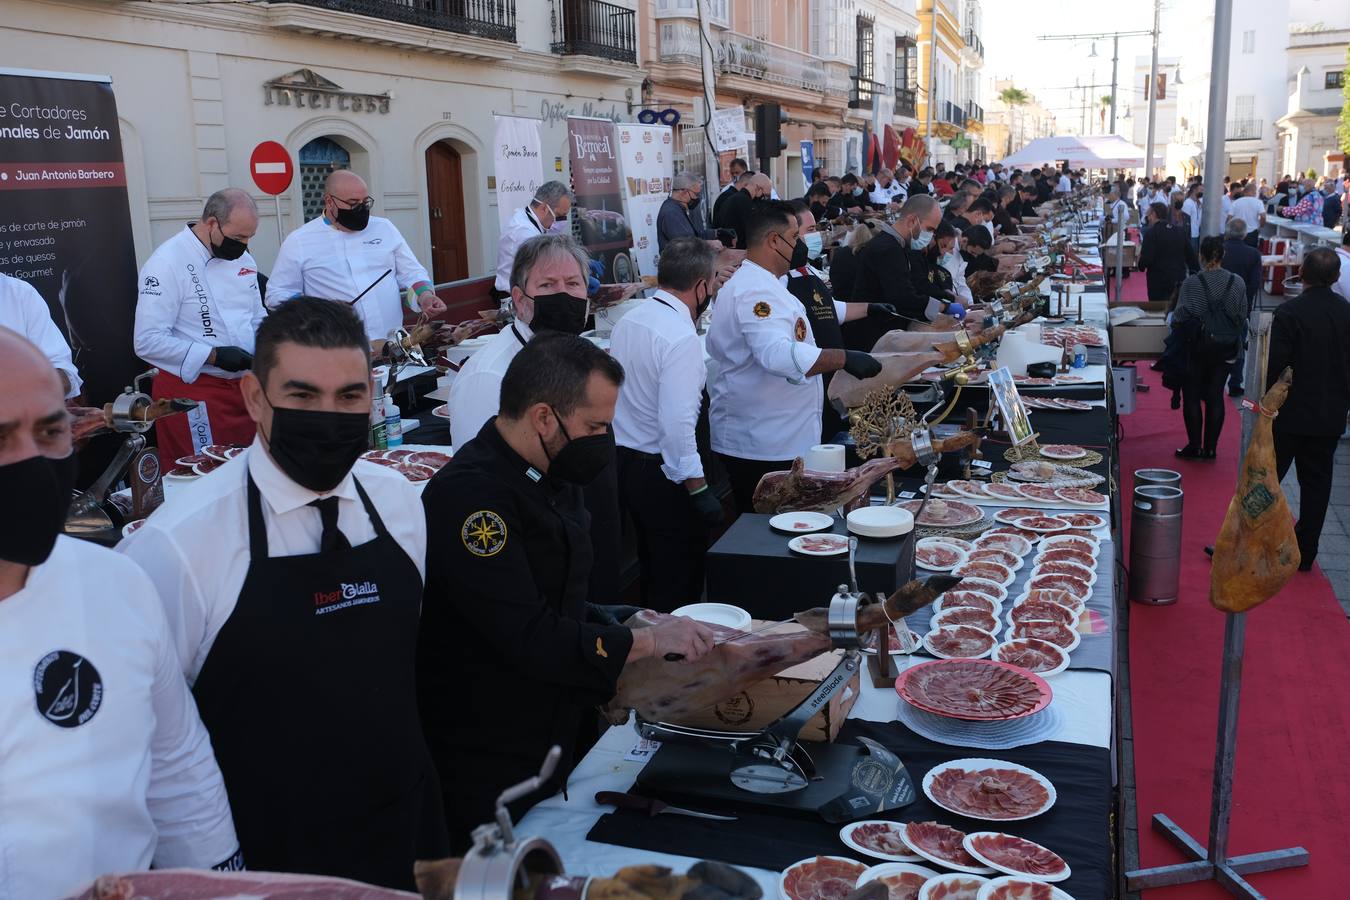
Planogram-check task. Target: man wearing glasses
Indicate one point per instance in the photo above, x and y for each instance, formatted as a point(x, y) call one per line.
point(677, 218)
point(348, 254)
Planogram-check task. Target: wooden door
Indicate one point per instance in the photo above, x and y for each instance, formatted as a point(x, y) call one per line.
point(445, 209)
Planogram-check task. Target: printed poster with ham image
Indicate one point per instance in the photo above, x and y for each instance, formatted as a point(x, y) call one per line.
point(65, 223)
point(597, 197)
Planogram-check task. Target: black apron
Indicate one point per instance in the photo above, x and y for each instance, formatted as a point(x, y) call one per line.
point(309, 696)
point(815, 295)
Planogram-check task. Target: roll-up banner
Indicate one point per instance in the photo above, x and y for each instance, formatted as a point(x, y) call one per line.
point(645, 157)
point(597, 197)
point(65, 222)
point(518, 165)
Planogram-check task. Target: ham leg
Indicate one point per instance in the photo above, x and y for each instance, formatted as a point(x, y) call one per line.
point(1256, 551)
point(798, 490)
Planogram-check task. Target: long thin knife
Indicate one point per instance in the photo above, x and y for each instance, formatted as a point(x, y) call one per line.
point(652, 807)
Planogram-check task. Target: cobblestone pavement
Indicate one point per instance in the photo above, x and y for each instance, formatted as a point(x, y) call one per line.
point(1333, 551)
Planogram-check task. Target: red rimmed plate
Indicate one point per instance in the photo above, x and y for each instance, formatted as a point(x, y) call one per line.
point(975, 690)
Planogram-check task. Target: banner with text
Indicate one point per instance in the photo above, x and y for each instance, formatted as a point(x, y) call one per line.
point(518, 164)
point(597, 197)
point(808, 163)
point(645, 157)
point(65, 222)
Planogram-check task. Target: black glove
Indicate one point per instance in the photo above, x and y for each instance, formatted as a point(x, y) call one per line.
point(860, 364)
point(727, 236)
point(708, 507)
point(233, 359)
point(605, 614)
point(881, 309)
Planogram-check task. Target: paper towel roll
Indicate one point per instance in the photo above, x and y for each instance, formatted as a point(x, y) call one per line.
point(825, 458)
point(1031, 331)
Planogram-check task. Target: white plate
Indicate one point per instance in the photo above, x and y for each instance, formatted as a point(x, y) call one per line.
point(1017, 563)
point(1089, 575)
point(969, 495)
point(1079, 455)
point(846, 835)
point(1101, 520)
point(895, 868)
point(1051, 540)
point(1043, 529)
point(180, 479)
point(987, 892)
point(960, 558)
point(1078, 607)
point(132, 526)
point(840, 542)
point(947, 617)
point(1004, 516)
point(801, 522)
point(989, 562)
point(1083, 503)
point(443, 411)
point(971, 870)
point(716, 614)
point(782, 879)
point(1058, 876)
point(927, 644)
point(948, 880)
point(1001, 591)
point(880, 521)
point(1048, 673)
point(964, 545)
point(976, 763)
point(1073, 629)
point(988, 540)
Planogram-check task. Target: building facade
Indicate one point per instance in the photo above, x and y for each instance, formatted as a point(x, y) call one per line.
point(1009, 128)
point(1133, 123)
point(1307, 130)
point(404, 94)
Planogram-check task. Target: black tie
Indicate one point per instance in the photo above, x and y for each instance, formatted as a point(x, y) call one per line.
point(332, 538)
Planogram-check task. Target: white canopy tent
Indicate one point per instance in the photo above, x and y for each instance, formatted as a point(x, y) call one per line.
point(1092, 151)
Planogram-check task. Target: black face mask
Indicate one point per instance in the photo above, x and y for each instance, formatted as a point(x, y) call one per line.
point(559, 312)
point(354, 219)
point(228, 248)
point(581, 460)
point(693, 201)
point(701, 305)
point(41, 487)
point(317, 448)
point(799, 252)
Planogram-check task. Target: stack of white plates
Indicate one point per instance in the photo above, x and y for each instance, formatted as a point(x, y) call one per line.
point(880, 521)
point(1000, 735)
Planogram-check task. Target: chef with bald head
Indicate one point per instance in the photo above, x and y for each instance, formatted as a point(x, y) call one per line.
point(345, 254)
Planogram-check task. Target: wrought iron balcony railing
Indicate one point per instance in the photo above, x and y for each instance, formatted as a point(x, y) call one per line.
point(594, 28)
point(906, 102)
point(1243, 130)
point(492, 19)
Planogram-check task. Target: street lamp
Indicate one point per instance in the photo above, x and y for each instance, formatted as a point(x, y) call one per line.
point(1115, 37)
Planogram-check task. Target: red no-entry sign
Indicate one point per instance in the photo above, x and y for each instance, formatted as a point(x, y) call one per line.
point(271, 168)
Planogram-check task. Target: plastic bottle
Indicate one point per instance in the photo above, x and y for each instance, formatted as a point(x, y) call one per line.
point(393, 424)
point(378, 439)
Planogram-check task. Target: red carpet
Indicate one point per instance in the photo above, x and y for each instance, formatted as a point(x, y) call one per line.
point(1294, 722)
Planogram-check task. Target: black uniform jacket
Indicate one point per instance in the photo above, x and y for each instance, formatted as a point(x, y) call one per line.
point(1166, 256)
point(511, 653)
point(1312, 334)
point(884, 276)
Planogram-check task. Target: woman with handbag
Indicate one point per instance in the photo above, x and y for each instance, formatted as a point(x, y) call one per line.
point(1217, 300)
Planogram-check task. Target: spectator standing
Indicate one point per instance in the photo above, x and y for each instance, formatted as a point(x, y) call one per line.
point(1308, 210)
point(1244, 261)
point(1165, 255)
point(677, 218)
point(1249, 209)
point(1191, 208)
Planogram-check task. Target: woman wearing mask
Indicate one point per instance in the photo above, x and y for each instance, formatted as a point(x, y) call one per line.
point(1212, 303)
point(930, 277)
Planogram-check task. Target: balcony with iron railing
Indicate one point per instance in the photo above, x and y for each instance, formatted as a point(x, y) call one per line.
point(974, 112)
point(974, 43)
point(906, 102)
point(491, 19)
point(1243, 130)
point(594, 28)
point(952, 113)
point(863, 92)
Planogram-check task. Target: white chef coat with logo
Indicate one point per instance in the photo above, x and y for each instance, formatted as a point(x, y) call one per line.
point(884, 195)
point(523, 225)
point(319, 260)
point(104, 763)
point(189, 303)
point(763, 406)
point(195, 546)
point(22, 309)
point(476, 392)
point(662, 359)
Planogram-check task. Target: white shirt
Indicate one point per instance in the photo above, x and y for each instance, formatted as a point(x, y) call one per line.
point(522, 226)
point(319, 260)
point(476, 392)
point(191, 302)
point(1249, 210)
point(956, 265)
point(1064, 186)
point(1342, 285)
point(137, 782)
point(763, 405)
point(1227, 202)
point(1191, 207)
point(884, 195)
point(22, 309)
point(1119, 214)
point(195, 547)
point(662, 359)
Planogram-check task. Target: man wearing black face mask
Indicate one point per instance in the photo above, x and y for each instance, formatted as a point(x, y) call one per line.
point(348, 254)
point(106, 765)
point(196, 315)
point(679, 216)
point(292, 578)
point(884, 263)
point(513, 652)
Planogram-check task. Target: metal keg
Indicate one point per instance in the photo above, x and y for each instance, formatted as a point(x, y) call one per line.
point(1293, 286)
point(1155, 544)
point(1157, 476)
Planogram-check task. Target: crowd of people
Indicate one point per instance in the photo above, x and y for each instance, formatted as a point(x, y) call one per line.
point(313, 668)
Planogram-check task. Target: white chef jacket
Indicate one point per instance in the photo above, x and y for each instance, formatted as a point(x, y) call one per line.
point(476, 392)
point(22, 309)
point(1227, 202)
point(956, 265)
point(1342, 285)
point(195, 547)
point(662, 359)
point(884, 195)
point(1064, 186)
point(135, 782)
point(1249, 210)
point(190, 302)
point(523, 225)
point(763, 404)
point(319, 260)
point(1191, 208)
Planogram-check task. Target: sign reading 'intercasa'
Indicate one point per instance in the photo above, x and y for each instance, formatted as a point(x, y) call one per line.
point(305, 89)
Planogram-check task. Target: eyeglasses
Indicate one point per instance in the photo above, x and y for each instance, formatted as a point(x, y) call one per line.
point(367, 203)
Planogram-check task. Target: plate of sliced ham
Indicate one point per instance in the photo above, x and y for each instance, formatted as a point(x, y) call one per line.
point(976, 690)
point(1043, 524)
point(1030, 537)
point(1041, 608)
point(1083, 520)
point(801, 522)
point(959, 642)
point(944, 845)
point(1080, 496)
point(991, 589)
point(878, 839)
point(180, 474)
point(431, 458)
point(1055, 632)
point(1013, 515)
point(210, 465)
point(943, 513)
point(989, 789)
point(1002, 540)
point(967, 600)
point(999, 491)
point(194, 459)
point(1017, 887)
point(1033, 654)
point(1067, 554)
point(903, 881)
point(972, 489)
point(1002, 557)
point(220, 452)
point(953, 886)
point(987, 570)
point(966, 615)
point(1072, 405)
point(938, 557)
point(819, 544)
point(1016, 856)
point(1063, 567)
point(1040, 493)
point(441, 412)
point(1085, 542)
point(1061, 598)
point(1062, 451)
point(820, 878)
point(1080, 589)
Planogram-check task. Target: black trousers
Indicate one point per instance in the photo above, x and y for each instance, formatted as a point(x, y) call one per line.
point(744, 475)
point(1315, 457)
point(672, 541)
point(1203, 403)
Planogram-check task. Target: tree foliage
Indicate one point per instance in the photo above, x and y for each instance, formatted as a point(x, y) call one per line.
point(1343, 132)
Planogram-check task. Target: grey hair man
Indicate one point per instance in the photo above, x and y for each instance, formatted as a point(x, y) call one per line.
point(546, 213)
point(679, 216)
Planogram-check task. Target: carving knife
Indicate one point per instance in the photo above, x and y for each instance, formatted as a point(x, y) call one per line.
point(651, 806)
